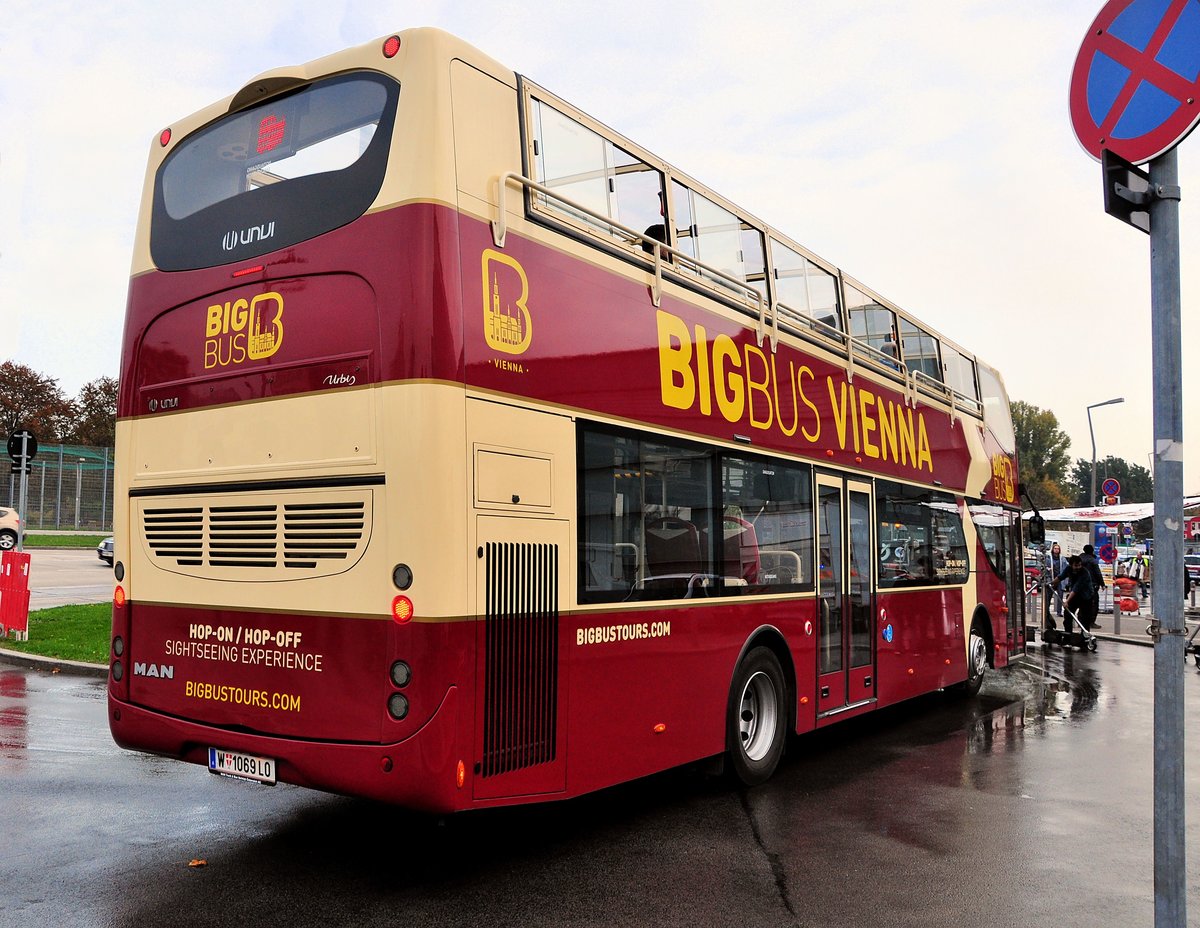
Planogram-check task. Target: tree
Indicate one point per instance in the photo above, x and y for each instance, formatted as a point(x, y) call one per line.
point(1042, 454)
point(1137, 486)
point(29, 400)
point(96, 413)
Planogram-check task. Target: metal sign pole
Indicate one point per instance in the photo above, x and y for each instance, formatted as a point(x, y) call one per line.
point(22, 509)
point(1170, 887)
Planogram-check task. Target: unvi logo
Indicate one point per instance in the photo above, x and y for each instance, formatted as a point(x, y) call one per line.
point(252, 234)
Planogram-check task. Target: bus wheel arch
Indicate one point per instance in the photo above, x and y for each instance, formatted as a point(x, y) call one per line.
point(760, 708)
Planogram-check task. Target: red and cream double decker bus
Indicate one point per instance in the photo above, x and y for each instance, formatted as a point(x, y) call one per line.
point(469, 454)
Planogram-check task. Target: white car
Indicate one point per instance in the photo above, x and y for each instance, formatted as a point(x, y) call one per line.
point(10, 526)
point(104, 551)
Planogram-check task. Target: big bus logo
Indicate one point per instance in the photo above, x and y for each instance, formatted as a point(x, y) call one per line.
point(237, 330)
point(507, 325)
point(1004, 485)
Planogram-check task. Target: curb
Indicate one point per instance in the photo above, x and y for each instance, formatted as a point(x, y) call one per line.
point(52, 664)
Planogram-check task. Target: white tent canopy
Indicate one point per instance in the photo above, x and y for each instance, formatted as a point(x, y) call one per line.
point(1126, 512)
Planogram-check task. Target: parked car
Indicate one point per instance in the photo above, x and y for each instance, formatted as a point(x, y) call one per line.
point(1191, 563)
point(10, 526)
point(1033, 570)
point(104, 551)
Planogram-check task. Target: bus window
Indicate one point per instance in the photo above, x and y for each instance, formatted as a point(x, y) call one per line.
point(995, 409)
point(960, 373)
point(326, 143)
point(585, 167)
point(802, 288)
point(646, 519)
point(994, 527)
point(921, 538)
point(711, 234)
point(920, 350)
point(872, 324)
point(767, 543)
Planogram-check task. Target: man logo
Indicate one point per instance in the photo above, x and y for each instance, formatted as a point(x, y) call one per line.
point(507, 324)
point(158, 671)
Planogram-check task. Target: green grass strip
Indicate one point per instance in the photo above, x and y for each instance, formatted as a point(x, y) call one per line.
point(68, 633)
point(63, 541)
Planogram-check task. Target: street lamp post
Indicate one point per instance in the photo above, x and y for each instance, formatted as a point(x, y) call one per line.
point(1119, 399)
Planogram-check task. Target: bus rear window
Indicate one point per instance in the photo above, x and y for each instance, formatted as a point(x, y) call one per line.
point(274, 174)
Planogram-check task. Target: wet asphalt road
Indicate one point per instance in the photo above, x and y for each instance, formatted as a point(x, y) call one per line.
point(1028, 806)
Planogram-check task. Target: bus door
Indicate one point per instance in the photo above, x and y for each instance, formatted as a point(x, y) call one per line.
point(1016, 586)
point(845, 594)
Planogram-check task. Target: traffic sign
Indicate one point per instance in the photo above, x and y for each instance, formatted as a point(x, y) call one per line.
point(1112, 501)
point(1107, 553)
point(1136, 81)
point(22, 446)
point(1111, 486)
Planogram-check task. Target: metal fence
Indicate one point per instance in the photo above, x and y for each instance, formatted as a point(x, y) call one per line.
point(70, 489)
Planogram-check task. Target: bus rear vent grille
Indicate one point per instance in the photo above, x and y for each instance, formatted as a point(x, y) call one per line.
point(521, 684)
point(312, 533)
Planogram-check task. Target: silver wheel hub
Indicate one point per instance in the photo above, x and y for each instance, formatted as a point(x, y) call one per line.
point(977, 660)
point(758, 716)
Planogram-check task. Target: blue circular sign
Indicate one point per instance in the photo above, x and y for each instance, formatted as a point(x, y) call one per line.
point(1111, 486)
point(1135, 89)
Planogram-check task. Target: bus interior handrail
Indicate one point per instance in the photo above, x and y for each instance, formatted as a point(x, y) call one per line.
point(659, 247)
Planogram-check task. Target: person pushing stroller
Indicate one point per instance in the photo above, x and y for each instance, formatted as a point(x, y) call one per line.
point(1081, 599)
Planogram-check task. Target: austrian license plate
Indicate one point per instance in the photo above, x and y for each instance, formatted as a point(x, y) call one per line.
point(246, 766)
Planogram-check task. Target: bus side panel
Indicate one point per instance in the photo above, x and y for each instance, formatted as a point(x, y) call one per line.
point(649, 688)
point(926, 651)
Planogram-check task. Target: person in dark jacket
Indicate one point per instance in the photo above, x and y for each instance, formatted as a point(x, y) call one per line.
point(1093, 568)
point(1081, 596)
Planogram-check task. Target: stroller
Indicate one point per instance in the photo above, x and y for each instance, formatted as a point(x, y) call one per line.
point(1079, 638)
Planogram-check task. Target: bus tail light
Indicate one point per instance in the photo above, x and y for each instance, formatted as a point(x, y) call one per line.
point(391, 46)
point(402, 610)
point(401, 674)
point(460, 775)
point(398, 706)
point(164, 138)
point(118, 681)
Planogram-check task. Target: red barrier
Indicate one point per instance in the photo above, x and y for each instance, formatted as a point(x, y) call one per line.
point(14, 593)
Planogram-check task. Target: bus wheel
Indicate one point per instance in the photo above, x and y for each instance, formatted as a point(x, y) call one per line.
point(977, 661)
point(755, 730)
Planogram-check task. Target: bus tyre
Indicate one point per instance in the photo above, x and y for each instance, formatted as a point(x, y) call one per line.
point(757, 717)
point(977, 661)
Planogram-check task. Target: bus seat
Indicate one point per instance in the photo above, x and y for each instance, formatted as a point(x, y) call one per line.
point(672, 547)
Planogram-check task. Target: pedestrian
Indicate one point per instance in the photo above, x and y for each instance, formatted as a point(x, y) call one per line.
point(1081, 595)
point(1092, 566)
point(1056, 565)
point(1139, 570)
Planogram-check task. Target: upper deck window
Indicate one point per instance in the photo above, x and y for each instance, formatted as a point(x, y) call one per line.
point(920, 350)
point(996, 413)
point(586, 168)
point(872, 323)
point(712, 235)
point(960, 373)
point(275, 174)
point(804, 288)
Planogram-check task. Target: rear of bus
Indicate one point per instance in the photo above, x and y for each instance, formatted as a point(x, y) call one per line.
point(291, 367)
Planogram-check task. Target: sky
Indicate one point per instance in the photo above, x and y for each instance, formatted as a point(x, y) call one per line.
point(925, 148)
